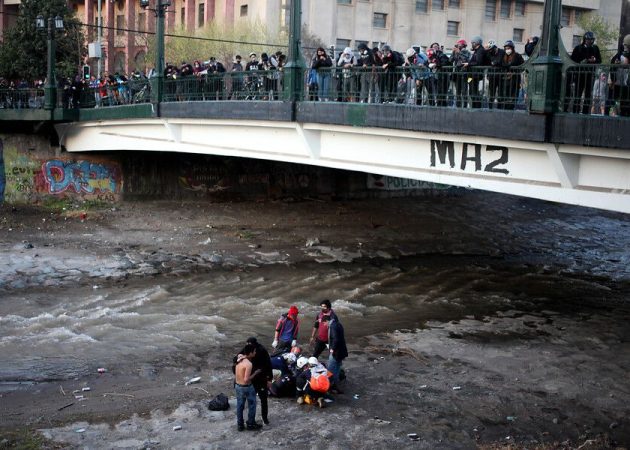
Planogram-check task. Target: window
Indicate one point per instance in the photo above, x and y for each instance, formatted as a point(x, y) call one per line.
point(577, 40)
point(453, 4)
point(452, 28)
point(578, 15)
point(120, 24)
point(506, 9)
point(344, 2)
point(519, 7)
point(201, 19)
point(285, 15)
point(422, 6)
point(491, 10)
point(438, 4)
point(565, 20)
point(243, 10)
point(518, 34)
point(142, 22)
point(340, 44)
point(380, 20)
point(182, 16)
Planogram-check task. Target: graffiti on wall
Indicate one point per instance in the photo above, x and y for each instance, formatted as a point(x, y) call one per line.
point(29, 178)
point(386, 183)
point(80, 176)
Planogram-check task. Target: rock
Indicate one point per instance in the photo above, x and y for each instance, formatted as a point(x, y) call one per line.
point(312, 241)
point(613, 425)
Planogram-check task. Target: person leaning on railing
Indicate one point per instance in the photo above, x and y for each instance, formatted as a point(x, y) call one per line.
point(510, 82)
point(437, 85)
point(582, 77)
point(365, 62)
point(459, 59)
point(346, 62)
point(476, 65)
point(322, 63)
point(495, 54)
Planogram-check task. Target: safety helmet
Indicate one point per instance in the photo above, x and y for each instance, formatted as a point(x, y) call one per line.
point(312, 361)
point(476, 40)
point(362, 46)
point(386, 48)
point(626, 40)
point(509, 44)
point(302, 361)
point(589, 35)
point(290, 358)
point(410, 52)
point(461, 43)
point(492, 43)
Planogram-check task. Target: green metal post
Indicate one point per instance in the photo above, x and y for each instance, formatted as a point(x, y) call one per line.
point(294, 69)
point(545, 78)
point(159, 64)
point(50, 89)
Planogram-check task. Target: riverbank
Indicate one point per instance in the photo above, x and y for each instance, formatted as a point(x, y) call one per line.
point(536, 369)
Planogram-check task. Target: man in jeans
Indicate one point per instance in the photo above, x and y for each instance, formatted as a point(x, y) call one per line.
point(244, 389)
point(338, 350)
point(319, 336)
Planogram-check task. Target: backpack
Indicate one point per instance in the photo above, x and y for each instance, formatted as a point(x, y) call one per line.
point(320, 382)
point(219, 403)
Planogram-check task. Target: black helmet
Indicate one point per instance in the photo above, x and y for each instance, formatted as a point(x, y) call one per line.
point(386, 48)
point(508, 44)
point(362, 46)
point(589, 35)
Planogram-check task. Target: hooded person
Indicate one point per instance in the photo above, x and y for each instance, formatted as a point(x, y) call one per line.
point(511, 77)
point(347, 62)
point(365, 62)
point(286, 332)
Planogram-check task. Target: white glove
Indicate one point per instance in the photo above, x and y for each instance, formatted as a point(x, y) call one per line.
point(274, 344)
point(431, 65)
point(327, 346)
point(293, 343)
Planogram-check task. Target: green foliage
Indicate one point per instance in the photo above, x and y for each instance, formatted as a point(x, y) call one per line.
point(606, 34)
point(24, 52)
point(218, 40)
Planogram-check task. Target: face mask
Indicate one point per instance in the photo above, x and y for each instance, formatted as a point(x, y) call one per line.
point(508, 51)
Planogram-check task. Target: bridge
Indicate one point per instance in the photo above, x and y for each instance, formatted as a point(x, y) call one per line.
point(532, 135)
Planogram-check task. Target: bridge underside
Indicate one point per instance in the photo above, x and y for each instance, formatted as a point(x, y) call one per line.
point(587, 176)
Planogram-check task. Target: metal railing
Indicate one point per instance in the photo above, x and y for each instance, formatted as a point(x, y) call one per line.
point(249, 85)
point(481, 87)
point(602, 89)
point(21, 98)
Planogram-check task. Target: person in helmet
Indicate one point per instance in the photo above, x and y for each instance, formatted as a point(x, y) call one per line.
point(510, 82)
point(459, 59)
point(391, 61)
point(580, 79)
point(479, 60)
point(495, 54)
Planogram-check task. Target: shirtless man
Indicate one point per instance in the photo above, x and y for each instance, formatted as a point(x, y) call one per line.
point(244, 389)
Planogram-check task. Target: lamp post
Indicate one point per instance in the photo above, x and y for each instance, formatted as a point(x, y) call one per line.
point(546, 74)
point(50, 88)
point(294, 69)
point(160, 12)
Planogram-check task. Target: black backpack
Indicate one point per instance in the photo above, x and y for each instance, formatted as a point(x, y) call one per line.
point(219, 403)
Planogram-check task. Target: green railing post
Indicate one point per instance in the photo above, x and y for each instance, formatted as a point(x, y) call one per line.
point(50, 89)
point(545, 77)
point(294, 69)
point(159, 63)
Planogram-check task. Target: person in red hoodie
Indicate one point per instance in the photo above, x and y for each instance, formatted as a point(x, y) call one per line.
point(319, 336)
point(286, 333)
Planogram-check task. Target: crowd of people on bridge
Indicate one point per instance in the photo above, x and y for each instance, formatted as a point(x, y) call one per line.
point(479, 74)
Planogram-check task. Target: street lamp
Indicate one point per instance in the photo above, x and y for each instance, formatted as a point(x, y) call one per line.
point(160, 12)
point(50, 88)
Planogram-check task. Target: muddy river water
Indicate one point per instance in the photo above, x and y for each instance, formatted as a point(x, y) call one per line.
point(561, 267)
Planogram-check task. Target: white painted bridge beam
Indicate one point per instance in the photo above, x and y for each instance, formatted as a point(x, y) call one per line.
point(586, 176)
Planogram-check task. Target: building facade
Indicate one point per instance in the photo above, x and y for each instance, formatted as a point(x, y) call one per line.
point(342, 23)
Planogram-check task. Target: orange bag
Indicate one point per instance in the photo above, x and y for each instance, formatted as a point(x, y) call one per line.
point(320, 383)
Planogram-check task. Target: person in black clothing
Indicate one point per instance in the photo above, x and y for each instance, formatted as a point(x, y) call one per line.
point(478, 61)
point(531, 45)
point(495, 54)
point(437, 85)
point(215, 71)
point(391, 60)
point(582, 78)
point(510, 81)
point(337, 348)
point(366, 77)
point(261, 381)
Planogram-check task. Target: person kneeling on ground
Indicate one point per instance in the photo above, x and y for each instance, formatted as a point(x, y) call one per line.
point(312, 382)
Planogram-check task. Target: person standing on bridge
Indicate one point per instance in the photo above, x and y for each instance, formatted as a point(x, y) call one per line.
point(582, 78)
point(322, 64)
point(286, 333)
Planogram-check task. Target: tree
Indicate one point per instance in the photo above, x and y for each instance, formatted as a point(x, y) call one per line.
point(23, 54)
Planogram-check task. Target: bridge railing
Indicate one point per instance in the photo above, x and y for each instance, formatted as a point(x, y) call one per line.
point(21, 98)
point(246, 85)
point(602, 89)
point(458, 87)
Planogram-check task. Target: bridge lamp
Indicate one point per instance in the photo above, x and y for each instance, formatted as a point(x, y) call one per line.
point(50, 88)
